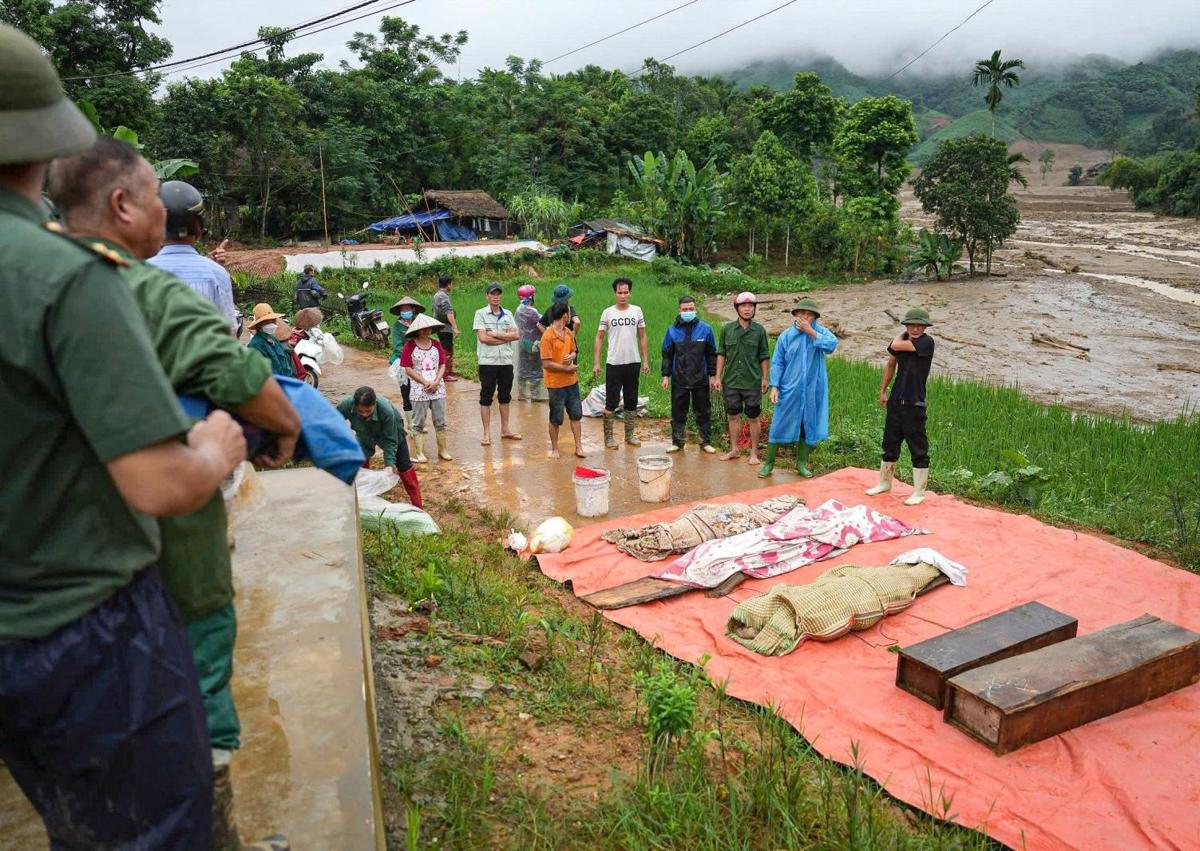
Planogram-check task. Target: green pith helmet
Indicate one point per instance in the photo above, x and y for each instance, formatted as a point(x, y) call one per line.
point(37, 121)
point(806, 304)
point(916, 316)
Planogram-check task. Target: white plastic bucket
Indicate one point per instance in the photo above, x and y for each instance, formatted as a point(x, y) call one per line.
point(591, 495)
point(654, 477)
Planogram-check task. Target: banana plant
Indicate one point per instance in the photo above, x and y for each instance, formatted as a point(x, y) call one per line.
point(168, 169)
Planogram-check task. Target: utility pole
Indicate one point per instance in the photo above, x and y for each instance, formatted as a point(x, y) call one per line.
point(324, 211)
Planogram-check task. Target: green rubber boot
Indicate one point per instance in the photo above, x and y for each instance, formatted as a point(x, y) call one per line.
point(802, 450)
point(769, 462)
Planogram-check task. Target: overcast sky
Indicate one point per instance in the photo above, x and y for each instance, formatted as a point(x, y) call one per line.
point(869, 36)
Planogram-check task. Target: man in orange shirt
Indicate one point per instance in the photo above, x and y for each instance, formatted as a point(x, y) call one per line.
point(560, 371)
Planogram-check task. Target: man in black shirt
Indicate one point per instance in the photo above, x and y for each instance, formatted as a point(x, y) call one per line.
point(909, 357)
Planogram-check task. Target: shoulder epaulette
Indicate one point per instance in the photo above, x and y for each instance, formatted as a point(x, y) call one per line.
point(94, 246)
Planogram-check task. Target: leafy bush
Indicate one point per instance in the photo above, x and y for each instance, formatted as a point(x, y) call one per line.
point(1166, 183)
point(669, 699)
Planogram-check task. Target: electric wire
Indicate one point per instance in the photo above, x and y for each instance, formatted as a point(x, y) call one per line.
point(227, 52)
point(945, 35)
point(619, 32)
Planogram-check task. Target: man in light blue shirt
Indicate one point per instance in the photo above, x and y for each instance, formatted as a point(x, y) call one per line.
point(179, 255)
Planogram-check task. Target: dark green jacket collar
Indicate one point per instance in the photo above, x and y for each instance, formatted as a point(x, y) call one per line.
point(19, 205)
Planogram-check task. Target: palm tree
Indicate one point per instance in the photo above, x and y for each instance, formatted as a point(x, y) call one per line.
point(993, 73)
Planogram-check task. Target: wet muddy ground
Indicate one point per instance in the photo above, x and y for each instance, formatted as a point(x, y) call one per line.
point(1084, 268)
point(517, 475)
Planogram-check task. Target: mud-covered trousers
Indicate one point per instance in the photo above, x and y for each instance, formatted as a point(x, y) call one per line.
point(701, 406)
point(102, 727)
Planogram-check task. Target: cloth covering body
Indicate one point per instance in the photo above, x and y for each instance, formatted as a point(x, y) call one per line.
point(704, 522)
point(800, 537)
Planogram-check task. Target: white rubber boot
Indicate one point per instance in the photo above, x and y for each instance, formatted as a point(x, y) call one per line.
point(416, 451)
point(886, 470)
point(920, 479)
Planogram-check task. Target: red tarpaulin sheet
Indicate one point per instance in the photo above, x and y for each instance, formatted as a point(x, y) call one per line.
point(1129, 780)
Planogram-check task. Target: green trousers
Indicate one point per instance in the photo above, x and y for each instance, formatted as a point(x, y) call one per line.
point(211, 639)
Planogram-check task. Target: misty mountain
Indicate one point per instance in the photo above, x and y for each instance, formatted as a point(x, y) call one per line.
point(1092, 100)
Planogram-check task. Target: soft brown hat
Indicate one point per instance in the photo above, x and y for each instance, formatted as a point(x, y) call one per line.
point(263, 312)
point(309, 317)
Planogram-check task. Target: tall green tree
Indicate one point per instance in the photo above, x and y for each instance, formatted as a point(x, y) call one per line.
point(680, 203)
point(805, 118)
point(996, 74)
point(770, 187)
point(94, 44)
point(871, 146)
point(965, 184)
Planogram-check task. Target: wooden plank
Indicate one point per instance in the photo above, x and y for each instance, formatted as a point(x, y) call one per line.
point(644, 590)
point(924, 668)
point(1027, 698)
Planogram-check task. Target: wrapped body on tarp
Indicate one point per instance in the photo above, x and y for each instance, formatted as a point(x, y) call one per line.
point(800, 537)
point(705, 522)
point(838, 601)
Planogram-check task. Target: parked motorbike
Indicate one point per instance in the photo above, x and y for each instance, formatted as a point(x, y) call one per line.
point(366, 324)
point(317, 347)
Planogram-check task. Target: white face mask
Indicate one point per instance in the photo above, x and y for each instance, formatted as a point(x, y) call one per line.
point(269, 328)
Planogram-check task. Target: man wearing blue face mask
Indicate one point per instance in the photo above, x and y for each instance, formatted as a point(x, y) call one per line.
point(689, 368)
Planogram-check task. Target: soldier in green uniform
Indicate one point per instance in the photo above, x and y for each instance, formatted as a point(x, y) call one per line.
point(377, 424)
point(101, 720)
point(108, 197)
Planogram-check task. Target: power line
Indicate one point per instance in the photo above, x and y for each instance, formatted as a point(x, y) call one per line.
point(619, 32)
point(719, 35)
point(945, 35)
point(335, 24)
point(221, 54)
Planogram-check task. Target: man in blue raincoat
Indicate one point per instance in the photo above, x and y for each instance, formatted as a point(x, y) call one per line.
point(800, 387)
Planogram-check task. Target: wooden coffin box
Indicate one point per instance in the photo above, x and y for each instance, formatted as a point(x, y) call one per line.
point(924, 668)
point(1027, 698)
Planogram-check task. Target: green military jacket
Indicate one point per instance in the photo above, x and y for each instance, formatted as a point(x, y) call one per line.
point(80, 385)
point(384, 428)
point(274, 352)
point(200, 358)
point(744, 350)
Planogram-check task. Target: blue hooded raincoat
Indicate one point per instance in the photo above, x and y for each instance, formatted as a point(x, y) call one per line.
point(798, 370)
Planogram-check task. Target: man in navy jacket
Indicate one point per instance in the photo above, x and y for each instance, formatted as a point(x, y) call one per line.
point(689, 367)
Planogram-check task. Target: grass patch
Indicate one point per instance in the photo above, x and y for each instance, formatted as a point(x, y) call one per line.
point(1137, 481)
point(677, 764)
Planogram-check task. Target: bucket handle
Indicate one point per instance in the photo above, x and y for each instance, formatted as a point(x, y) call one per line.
point(656, 478)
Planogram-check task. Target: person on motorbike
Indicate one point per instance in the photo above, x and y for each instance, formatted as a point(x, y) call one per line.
point(308, 292)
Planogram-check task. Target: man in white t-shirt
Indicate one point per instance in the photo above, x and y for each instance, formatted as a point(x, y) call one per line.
point(625, 327)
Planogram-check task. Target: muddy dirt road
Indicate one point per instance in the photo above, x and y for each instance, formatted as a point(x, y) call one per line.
point(517, 476)
point(1084, 268)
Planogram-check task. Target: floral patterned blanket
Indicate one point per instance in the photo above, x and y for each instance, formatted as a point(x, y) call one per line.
point(800, 537)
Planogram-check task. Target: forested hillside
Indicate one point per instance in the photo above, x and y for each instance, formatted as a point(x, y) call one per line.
point(1095, 101)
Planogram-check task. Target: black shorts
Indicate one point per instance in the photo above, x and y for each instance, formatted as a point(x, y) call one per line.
point(495, 379)
point(739, 401)
point(446, 338)
point(621, 381)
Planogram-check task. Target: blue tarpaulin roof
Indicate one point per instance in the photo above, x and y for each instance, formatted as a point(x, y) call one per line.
point(409, 222)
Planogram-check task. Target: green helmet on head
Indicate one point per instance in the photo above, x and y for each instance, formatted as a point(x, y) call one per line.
point(184, 205)
point(37, 121)
point(916, 316)
point(806, 304)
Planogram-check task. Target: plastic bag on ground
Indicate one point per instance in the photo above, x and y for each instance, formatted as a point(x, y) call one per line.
point(375, 512)
point(553, 536)
point(593, 403)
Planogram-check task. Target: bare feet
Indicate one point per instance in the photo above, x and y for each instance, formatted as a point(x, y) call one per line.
point(553, 453)
point(512, 435)
point(486, 441)
point(754, 459)
point(730, 455)
point(579, 453)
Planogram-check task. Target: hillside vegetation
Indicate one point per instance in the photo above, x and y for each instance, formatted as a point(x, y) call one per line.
point(1095, 101)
